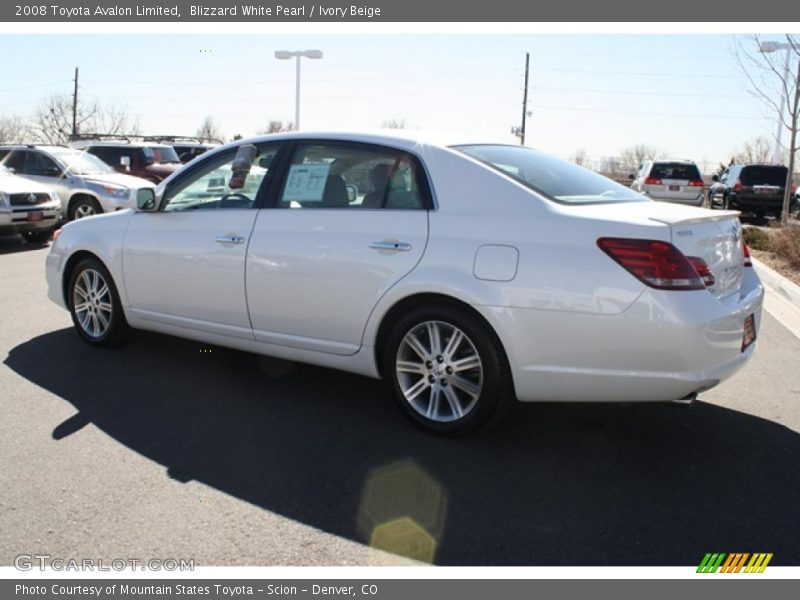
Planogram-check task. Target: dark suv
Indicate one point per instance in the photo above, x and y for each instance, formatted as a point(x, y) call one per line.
point(750, 188)
point(150, 161)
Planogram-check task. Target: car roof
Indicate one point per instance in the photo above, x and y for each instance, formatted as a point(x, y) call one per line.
point(401, 138)
point(117, 144)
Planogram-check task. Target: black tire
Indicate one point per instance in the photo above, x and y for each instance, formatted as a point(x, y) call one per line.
point(726, 202)
point(493, 375)
point(115, 328)
point(39, 237)
point(84, 204)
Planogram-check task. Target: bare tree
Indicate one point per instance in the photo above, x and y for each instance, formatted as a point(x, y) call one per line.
point(12, 129)
point(771, 81)
point(755, 151)
point(393, 124)
point(580, 157)
point(52, 120)
point(276, 127)
point(631, 157)
point(209, 130)
point(611, 167)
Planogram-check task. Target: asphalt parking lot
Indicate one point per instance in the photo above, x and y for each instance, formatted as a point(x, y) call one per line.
point(169, 448)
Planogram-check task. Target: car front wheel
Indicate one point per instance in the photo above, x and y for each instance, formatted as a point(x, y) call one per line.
point(84, 207)
point(94, 304)
point(446, 370)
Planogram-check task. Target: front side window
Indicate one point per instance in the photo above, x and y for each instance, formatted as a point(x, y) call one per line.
point(160, 154)
point(351, 176)
point(554, 178)
point(214, 185)
point(40, 165)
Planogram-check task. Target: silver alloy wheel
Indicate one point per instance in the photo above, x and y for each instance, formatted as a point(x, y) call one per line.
point(439, 371)
point(84, 210)
point(92, 303)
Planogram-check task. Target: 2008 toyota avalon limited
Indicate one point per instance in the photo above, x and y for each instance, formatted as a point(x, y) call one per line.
point(467, 276)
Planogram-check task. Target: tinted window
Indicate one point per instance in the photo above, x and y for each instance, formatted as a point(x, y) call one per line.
point(351, 176)
point(15, 160)
point(558, 179)
point(763, 176)
point(39, 164)
point(675, 171)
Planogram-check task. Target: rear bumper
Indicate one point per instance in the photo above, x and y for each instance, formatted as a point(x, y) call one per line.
point(756, 203)
point(666, 346)
point(679, 199)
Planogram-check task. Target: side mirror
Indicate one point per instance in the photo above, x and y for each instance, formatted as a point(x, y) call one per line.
point(631, 176)
point(715, 178)
point(146, 200)
point(352, 193)
point(52, 172)
point(242, 162)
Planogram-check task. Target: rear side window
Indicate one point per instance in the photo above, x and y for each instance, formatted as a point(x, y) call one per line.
point(680, 171)
point(330, 175)
point(763, 176)
point(557, 179)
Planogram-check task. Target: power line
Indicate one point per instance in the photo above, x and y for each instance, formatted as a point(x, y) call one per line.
point(635, 93)
point(645, 114)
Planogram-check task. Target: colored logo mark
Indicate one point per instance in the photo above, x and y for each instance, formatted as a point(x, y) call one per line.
point(735, 562)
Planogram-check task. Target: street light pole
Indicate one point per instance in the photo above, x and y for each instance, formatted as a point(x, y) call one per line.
point(297, 55)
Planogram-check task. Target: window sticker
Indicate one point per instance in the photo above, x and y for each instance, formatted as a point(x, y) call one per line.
point(306, 183)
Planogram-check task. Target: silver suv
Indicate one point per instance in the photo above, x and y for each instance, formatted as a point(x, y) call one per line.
point(670, 181)
point(86, 185)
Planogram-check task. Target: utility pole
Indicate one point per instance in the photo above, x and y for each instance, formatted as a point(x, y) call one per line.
point(75, 106)
point(520, 131)
point(524, 99)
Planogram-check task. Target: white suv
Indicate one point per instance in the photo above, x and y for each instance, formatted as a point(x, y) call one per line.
point(86, 185)
point(670, 181)
point(27, 207)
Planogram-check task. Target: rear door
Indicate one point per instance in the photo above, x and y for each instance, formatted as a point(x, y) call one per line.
point(347, 223)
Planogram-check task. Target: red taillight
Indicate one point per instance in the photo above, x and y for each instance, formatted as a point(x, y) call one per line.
point(652, 181)
point(696, 183)
point(657, 264)
point(746, 252)
point(737, 187)
point(702, 269)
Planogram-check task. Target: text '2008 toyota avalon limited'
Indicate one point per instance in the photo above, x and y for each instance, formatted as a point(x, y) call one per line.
point(466, 275)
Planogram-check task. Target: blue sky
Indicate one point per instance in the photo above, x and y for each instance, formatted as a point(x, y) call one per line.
point(682, 93)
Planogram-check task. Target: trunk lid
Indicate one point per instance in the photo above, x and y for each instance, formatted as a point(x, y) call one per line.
point(713, 235)
point(717, 239)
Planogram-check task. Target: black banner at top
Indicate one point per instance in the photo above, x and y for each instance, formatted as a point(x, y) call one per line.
point(199, 11)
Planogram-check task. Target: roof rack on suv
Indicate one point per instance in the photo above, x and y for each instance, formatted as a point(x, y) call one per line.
point(104, 136)
point(181, 138)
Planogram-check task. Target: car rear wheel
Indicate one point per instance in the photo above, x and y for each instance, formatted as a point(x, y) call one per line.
point(446, 370)
point(84, 207)
point(94, 304)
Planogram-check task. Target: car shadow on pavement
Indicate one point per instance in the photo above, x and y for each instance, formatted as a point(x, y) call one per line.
point(10, 244)
point(551, 485)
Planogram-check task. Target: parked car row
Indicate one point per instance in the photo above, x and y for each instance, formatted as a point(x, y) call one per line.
point(41, 185)
point(753, 188)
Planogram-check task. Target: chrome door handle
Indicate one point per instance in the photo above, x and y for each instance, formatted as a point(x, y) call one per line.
point(389, 245)
point(230, 239)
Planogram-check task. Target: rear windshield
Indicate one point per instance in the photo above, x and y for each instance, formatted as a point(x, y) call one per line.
point(675, 171)
point(763, 176)
point(557, 179)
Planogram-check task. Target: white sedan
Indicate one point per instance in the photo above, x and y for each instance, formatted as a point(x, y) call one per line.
point(467, 276)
